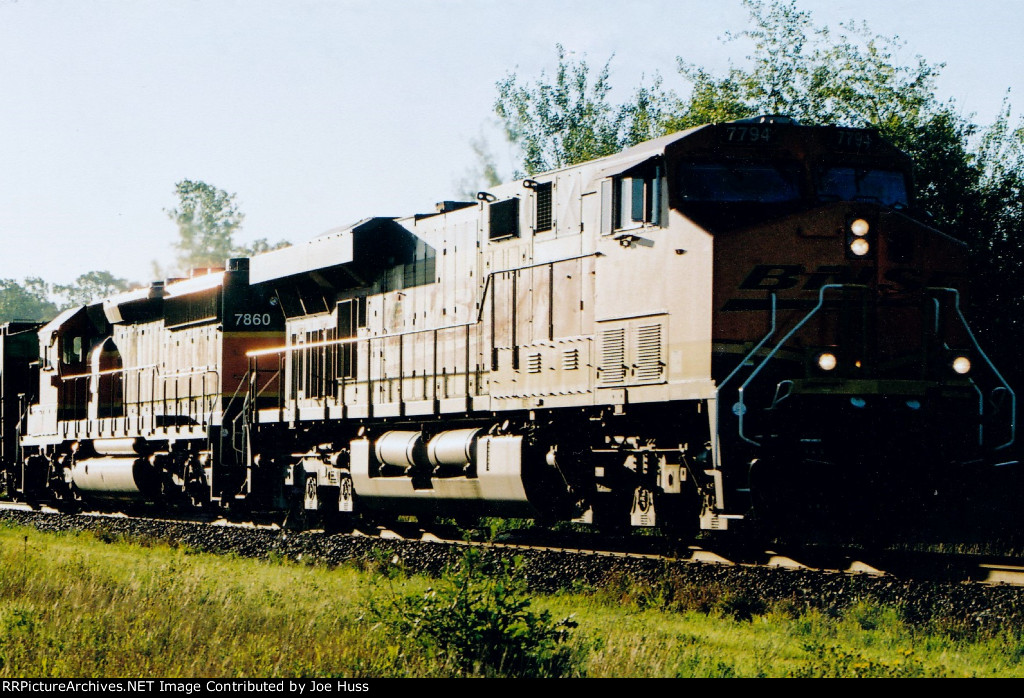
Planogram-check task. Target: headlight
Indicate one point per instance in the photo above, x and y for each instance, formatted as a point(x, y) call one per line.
point(860, 238)
point(860, 247)
point(962, 365)
point(826, 361)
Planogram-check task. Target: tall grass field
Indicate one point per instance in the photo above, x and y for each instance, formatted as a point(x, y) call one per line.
point(93, 605)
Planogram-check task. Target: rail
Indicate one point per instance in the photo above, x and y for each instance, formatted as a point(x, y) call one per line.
point(364, 377)
point(419, 365)
point(138, 398)
point(740, 408)
point(1003, 385)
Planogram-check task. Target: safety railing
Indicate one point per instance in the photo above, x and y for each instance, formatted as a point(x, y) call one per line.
point(420, 365)
point(417, 366)
point(1003, 388)
point(740, 408)
point(132, 400)
point(997, 391)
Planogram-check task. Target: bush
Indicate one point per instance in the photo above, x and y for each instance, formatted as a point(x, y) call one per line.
point(479, 618)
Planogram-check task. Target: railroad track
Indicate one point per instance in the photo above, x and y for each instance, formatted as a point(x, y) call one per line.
point(948, 567)
point(893, 564)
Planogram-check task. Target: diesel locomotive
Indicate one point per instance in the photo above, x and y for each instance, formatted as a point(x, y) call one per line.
point(741, 318)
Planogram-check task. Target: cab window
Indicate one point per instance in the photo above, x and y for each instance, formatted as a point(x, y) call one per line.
point(886, 187)
point(636, 198)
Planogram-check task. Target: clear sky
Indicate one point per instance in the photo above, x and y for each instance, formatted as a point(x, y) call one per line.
point(317, 113)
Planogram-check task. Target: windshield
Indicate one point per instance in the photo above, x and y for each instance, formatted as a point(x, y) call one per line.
point(760, 183)
point(886, 187)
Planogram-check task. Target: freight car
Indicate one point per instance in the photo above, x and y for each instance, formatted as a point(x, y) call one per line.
point(746, 316)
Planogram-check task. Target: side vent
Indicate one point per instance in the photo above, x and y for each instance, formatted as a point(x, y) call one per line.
point(571, 359)
point(533, 363)
point(649, 366)
point(613, 357)
point(544, 218)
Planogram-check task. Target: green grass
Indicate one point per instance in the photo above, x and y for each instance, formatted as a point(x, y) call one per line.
point(93, 605)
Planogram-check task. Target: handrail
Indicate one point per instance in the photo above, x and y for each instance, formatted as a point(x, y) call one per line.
point(483, 297)
point(491, 275)
point(326, 387)
point(992, 367)
point(205, 399)
point(753, 351)
point(743, 362)
point(350, 340)
point(276, 371)
point(740, 408)
point(209, 368)
point(108, 372)
point(245, 380)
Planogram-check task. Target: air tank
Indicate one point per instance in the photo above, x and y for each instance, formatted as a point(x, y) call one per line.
point(115, 478)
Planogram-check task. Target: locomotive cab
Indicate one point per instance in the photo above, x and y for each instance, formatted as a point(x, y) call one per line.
point(848, 376)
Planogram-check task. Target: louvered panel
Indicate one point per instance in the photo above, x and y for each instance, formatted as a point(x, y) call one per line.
point(648, 353)
point(533, 363)
point(571, 359)
point(613, 357)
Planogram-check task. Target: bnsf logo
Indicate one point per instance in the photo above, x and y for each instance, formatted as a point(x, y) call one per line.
point(779, 277)
point(796, 277)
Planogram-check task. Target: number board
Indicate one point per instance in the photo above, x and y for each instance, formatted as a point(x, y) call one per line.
point(854, 140)
point(247, 320)
point(746, 134)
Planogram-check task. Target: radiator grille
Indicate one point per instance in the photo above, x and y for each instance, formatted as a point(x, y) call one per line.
point(543, 207)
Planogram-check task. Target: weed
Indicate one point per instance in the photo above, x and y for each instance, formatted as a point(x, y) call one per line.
point(275, 557)
point(871, 616)
point(789, 608)
point(834, 662)
point(699, 666)
point(741, 606)
point(668, 591)
point(383, 562)
point(497, 528)
point(105, 535)
point(71, 604)
point(479, 619)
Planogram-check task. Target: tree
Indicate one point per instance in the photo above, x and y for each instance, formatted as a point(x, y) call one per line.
point(91, 286)
point(849, 77)
point(813, 74)
point(970, 179)
point(258, 246)
point(846, 78)
point(570, 119)
point(207, 219)
point(27, 301)
point(484, 174)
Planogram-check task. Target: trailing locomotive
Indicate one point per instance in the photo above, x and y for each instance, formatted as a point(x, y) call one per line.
point(739, 317)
